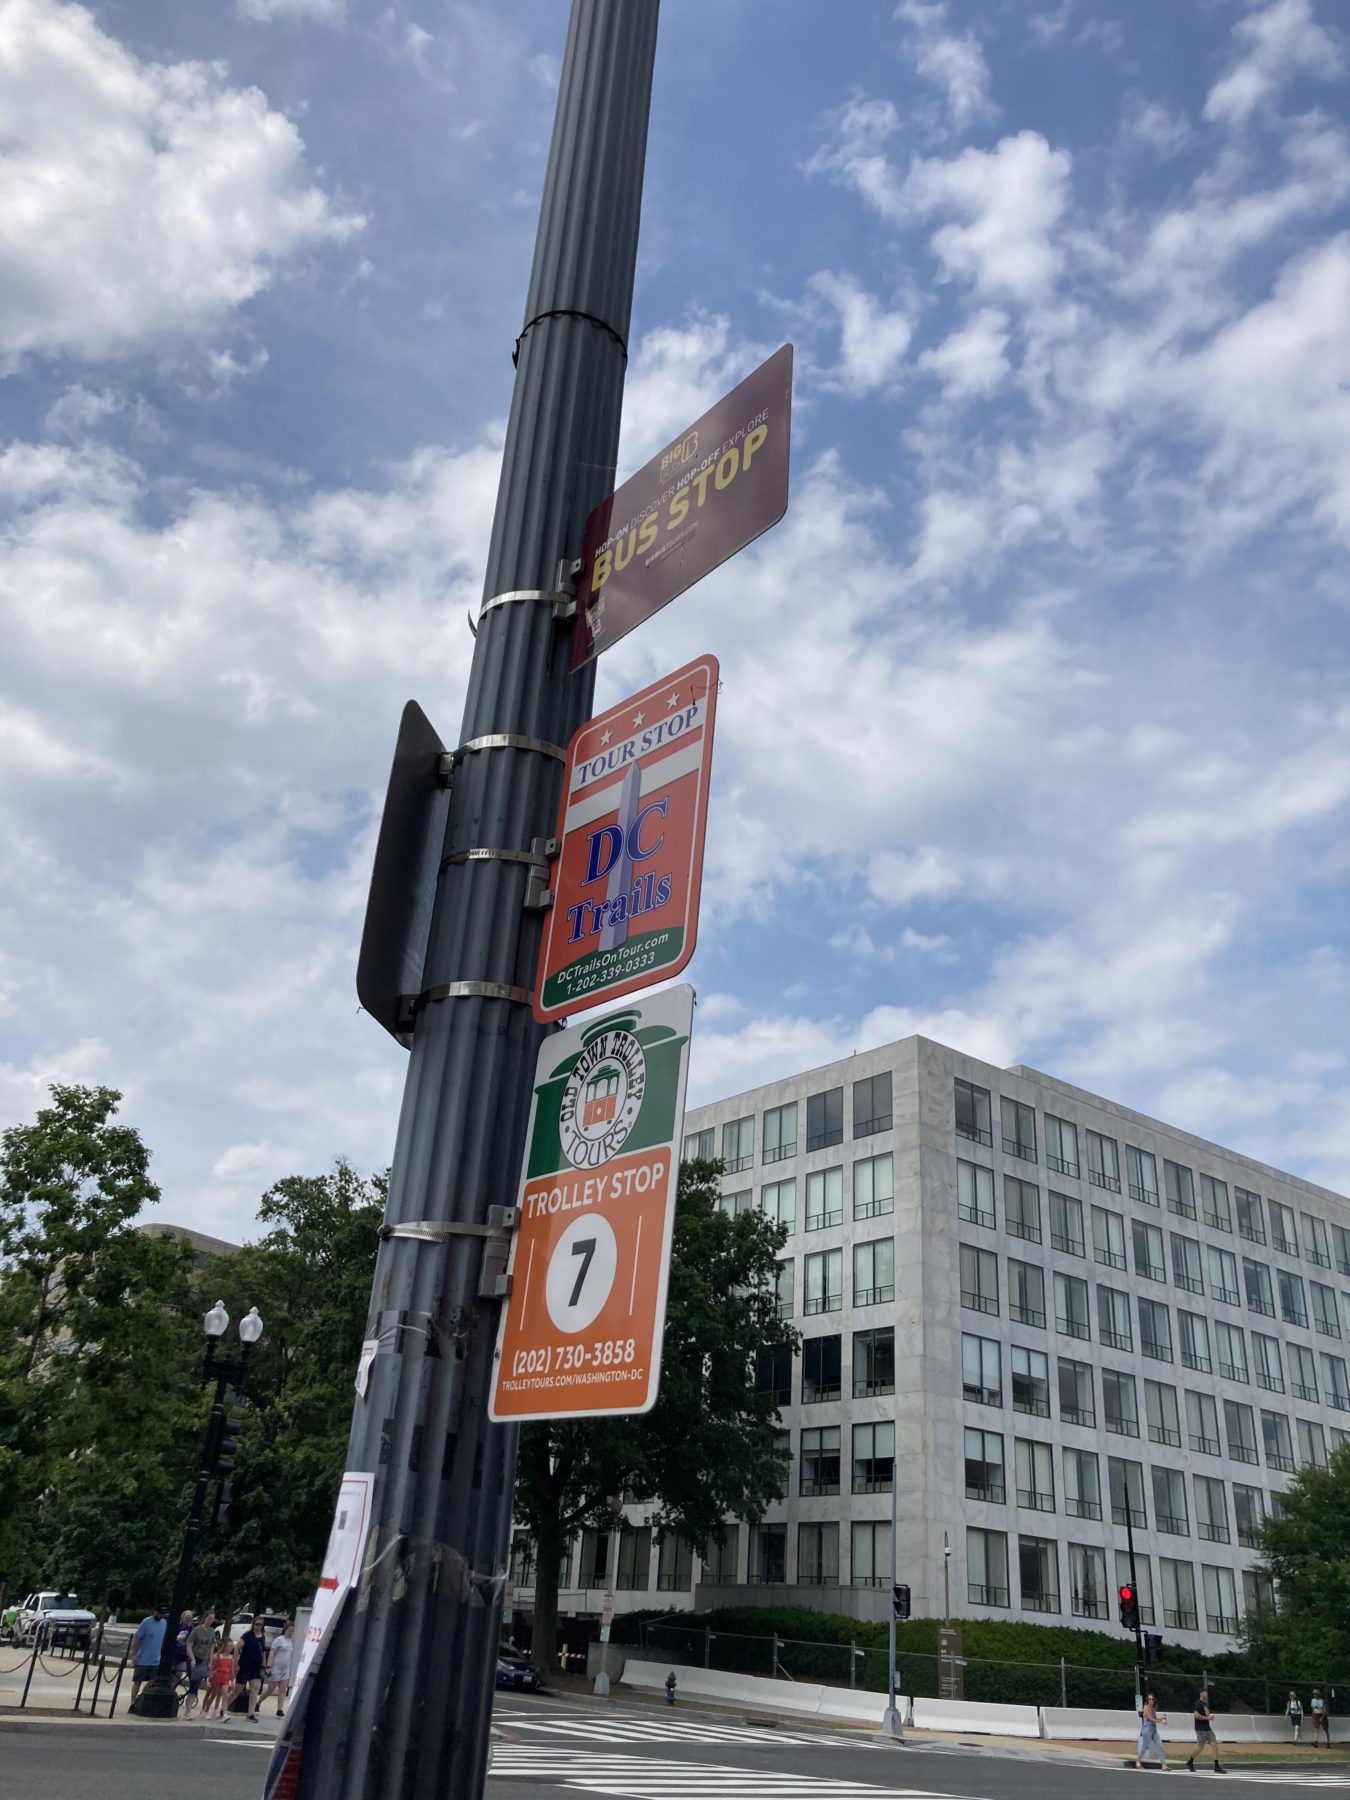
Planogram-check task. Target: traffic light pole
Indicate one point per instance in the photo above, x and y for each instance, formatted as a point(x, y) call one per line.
point(399, 1708)
point(1134, 1587)
point(890, 1722)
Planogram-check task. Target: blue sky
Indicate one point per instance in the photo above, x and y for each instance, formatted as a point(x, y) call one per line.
point(1034, 734)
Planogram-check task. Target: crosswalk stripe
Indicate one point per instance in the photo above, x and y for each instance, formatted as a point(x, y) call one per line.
point(668, 1731)
point(649, 1778)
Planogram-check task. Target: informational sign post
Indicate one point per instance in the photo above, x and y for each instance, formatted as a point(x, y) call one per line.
point(581, 1330)
point(631, 826)
point(697, 502)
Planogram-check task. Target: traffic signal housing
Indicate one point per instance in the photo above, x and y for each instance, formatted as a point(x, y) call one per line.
point(227, 1444)
point(1153, 1646)
point(900, 1600)
point(1129, 1608)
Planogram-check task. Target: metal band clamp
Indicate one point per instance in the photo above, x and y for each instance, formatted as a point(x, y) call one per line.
point(486, 855)
point(412, 1004)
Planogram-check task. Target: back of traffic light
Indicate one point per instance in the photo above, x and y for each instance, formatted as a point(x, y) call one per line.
point(900, 1600)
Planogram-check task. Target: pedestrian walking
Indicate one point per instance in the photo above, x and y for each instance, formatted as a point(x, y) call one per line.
point(201, 1641)
point(1321, 1717)
point(279, 1667)
point(1150, 1739)
point(1204, 1733)
point(148, 1643)
point(248, 1672)
point(1294, 1713)
point(220, 1679)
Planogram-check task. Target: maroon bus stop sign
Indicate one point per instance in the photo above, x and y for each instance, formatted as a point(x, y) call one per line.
point(697, 502)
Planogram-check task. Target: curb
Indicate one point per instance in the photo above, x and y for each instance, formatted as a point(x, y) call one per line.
point(118, 1728)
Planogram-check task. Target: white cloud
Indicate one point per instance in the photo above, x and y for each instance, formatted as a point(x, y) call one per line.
point(854, 155)
point(263, 11)
point(1012, 199)
point(972, 360)
point(143, 202)
point(1275, 42)
point(952, 61)
point(873, 341)
point(898, 877)
point(1150, 125)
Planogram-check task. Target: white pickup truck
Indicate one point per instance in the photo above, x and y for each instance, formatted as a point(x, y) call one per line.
point(60, 1617)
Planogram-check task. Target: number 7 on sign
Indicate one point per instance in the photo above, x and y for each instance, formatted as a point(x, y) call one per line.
point(585, 1249)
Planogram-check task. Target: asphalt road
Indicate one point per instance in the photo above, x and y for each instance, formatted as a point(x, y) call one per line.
point(577, 1751)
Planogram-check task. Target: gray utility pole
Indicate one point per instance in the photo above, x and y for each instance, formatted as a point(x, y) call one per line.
point(402, 1700)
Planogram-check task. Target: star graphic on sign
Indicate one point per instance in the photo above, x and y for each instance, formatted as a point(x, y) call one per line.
point(605, 736)
point(638, 719)
point(672, 703)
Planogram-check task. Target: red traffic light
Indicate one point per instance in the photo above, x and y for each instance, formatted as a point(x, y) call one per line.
point(1126, 1594)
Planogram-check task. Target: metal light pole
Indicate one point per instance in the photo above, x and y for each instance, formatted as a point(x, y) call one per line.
point(612, 1575)
point(890, 1722)
point(1134, 1585)
point(159, 1698)
point(401, 1704)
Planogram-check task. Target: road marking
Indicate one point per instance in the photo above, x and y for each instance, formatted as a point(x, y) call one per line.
point(647, 1778)
point(244, 1743)
point(1291, 1777)
point(671, 1731)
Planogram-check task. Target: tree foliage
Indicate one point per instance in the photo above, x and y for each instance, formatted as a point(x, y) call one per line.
point(1306, 1552)
point(709, 1447)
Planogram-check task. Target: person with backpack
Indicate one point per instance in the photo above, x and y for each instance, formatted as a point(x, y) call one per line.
point(1321, 1718)
point(1204, 1733)
point(1294, 1713)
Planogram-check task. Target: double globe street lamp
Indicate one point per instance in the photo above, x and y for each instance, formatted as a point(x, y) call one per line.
point(159, 1700)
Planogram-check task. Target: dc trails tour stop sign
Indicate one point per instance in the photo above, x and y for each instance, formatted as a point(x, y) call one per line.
point(581, 1329)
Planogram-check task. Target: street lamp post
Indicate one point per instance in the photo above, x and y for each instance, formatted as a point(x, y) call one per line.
point(159, 1699)
point(612, 1560)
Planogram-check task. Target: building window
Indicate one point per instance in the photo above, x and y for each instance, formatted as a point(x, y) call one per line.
point(1038, 1569)
point(974, 1119)
point(524, 1554)
point(732, 1205)
point(1160, 1409)
point(874, 1362)
point(1202, 1424)
point(1194, 1334)
point(1021, 1209)
point(1066, 1224)
point(874, 1186)
point(1334, 1383)
point(979, 1279)
point(1214, 1203)
point(783, 1289)
point(1141, 1579)
point(1076, 1403)
point(780, 1132)
point(1071, 1306)
point(1103, 1161)
point(1148, 1251)
point(1324, 1309)
point(1186, 1269)
point(1155, 1330)
point(1340, 1239)
point(823, 1273)
point(981, 1378)
point(1269, 1370)
point(1087, 1581)
point(1278, 1444)
point(1258, 1592)
point(1113, 1318)
point(870, 1563)
point(821, 1365)
point(1251, 1221)
point(974, 1194)
point(1061, 1145)
point(778, 1202)
point(1120, 1407)
point(738, 1146)
point(1316, 1247)
point(874, 1272)
point(1026, 1293)
point(773, 1374)
point(721, 1558)
point(1249, 1513)
point(768, 1554)
point(874, 1457)
point(818, 1471)
point(986, 1567)
point(1232, 1351)
point(1211, 1509)
point(1223, 1279)
point(1221, 1612)
point(1312, 1444)
point(1179, 1186)
point(635, 1560)
point(1169, 1502)
point(1030, 1381)
point(1019, 1129)
point(818, 1555)
point(1302, 1373)
point(1178, 1593)
point(1141, 1173)
point(1127, 1492)
point(1082, 1485)
point(1035, 1476)
point(594, 1569)
point(984, 1466)
point(1256, 1281)
point(1239, 1424)
point(1282, 1227)
point(700, 1146)
point(825, 1119)
point(824, 1198)
point(872, 1104)
point(1108, 1238)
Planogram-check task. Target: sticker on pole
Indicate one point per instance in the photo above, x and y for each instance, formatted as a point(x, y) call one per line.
point(581, 1330)
point(707, 495)
point(631, 827)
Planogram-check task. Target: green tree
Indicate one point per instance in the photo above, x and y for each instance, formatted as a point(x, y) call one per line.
point(1306, 1552)
point(709, 1446)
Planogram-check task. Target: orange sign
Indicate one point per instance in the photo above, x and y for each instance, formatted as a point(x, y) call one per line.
point(631, 825)
point(582, 1326)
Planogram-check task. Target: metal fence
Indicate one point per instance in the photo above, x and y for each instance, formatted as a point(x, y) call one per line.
point(1009, 1683)
point(88, 1665)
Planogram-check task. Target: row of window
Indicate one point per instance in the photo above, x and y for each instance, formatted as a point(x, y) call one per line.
point(824, 1126)
point(873, 1370)
point(982, 1383)
point(1017, 1135)
point(1111, 1234)
point(873, 1195)
point(1027, 1305)
point(823, 1279)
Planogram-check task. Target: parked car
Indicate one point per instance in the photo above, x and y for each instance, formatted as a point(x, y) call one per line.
point(516, 1671)
point(59, 1617)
